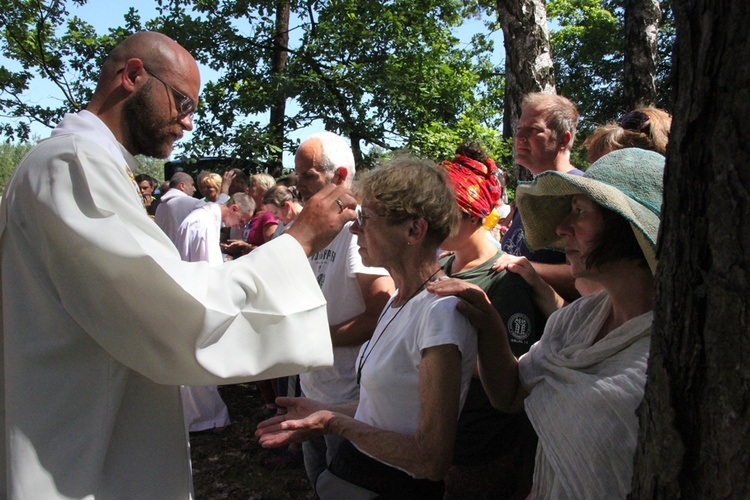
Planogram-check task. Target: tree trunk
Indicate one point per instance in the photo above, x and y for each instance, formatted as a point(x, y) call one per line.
point(528, 62)
point(695, 417)
point(278, 67)
point(642, 19)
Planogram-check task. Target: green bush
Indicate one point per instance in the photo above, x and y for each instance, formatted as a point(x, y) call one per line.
point(11, 155)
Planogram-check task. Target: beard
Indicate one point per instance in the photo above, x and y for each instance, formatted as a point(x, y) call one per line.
point(149, 135)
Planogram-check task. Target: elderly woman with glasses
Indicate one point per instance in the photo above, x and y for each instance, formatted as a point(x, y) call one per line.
point(583, 381)
point(414, 372)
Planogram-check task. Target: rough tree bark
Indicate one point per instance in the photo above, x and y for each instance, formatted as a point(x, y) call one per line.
point(695, 417)
point(278, 67)
point(642, 19)
point(528, 62)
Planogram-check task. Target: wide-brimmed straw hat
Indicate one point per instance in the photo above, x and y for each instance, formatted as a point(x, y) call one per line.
point(628, 181)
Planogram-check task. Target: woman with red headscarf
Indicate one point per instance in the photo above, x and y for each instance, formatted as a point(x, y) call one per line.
point(493, 455)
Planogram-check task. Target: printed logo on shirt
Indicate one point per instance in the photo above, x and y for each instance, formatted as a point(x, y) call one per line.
point(519, 327)
point(326, 254)
point(513, 242)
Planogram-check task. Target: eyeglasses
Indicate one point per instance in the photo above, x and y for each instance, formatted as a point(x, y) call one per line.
point(185, 105)
point(635, 120)
point(361, 217)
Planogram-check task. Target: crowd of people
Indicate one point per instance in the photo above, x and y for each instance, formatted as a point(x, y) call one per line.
point(404, 348)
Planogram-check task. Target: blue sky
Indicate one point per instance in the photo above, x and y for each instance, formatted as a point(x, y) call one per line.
point(103, 14)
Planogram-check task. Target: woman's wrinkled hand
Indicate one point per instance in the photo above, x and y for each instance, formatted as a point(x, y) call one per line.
point(476, 306)
point(304, 419)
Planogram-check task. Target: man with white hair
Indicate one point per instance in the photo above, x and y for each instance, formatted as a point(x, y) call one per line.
point(355, 294)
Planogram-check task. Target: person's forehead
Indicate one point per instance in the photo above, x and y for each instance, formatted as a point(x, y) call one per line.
point(533, 115)
point(308, 157)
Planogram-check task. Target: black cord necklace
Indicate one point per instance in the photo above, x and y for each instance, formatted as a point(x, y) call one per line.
point(365, 354)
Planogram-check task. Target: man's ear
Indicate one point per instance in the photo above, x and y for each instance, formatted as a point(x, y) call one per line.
point(132, 70)
point(564, 140)
point(340, 176)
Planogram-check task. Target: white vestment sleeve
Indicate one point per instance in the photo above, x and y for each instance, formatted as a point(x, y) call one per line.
point(102, 320)
point(85, 235)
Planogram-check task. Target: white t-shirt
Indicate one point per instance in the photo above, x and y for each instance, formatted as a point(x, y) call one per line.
point(336, 268)
point(198, 235)
point(389, 391)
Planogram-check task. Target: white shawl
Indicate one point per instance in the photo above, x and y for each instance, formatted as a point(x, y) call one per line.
point(582, 401)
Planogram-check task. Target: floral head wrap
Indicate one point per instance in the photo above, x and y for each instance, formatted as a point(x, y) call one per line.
point(475, 184)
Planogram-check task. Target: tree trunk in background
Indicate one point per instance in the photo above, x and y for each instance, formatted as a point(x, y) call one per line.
point(528, 62)
point(695, 417)
point(642, 19)
point(278, 67)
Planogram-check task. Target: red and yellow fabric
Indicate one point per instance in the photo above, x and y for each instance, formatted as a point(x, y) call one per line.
point(475, 184)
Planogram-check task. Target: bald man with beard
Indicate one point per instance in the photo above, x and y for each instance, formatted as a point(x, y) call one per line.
point(102, 320)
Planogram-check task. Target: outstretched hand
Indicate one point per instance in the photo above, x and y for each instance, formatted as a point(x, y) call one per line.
point(323, 217)
point(237, 246)
point(304, 419)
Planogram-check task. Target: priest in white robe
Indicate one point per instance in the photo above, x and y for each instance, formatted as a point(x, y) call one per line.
point(92, 353)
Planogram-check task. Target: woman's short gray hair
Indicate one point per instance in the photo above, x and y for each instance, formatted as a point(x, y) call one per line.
point(411, 188)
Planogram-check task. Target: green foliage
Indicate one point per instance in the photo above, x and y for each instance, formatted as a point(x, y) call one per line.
point(150, 166)
point(667, 34)
point(371, 71)
point(588, 53)
point(11, 155)
point(439, 142)
point(588, 50)
point(388, 75)
point(71, 61)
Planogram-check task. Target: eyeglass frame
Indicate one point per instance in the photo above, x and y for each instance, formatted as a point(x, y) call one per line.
point(184, 111)
point(361, 217)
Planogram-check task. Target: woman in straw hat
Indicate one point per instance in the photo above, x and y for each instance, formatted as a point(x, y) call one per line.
point(582, 382)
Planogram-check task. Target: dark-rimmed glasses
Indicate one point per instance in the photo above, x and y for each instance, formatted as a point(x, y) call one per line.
point(185, 105)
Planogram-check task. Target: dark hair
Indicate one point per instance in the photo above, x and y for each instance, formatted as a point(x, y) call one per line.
point(473, 150)
point(279, 194)
point(288, 180)
point(145, 177)
point(616, 242)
